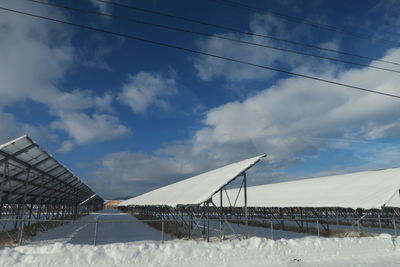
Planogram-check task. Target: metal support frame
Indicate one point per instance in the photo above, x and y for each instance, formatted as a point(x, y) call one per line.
point(246, 215)
point(30, 190)
point(207, 220)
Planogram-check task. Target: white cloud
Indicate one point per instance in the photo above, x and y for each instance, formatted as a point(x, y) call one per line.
point(209, 68)
point(95, 58)
point(278, 118)
point(281, 121)
point(35, 59)
point(128, 173)
point(144, 90)
point(384, 21)
point(102, 7)
point(83, 128)
point(35, 56)
point(79, 100)
point(11, 128)
point(132, 173)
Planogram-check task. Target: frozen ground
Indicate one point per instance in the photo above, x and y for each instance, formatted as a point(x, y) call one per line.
point(308, 251)
point(112, 227)
point(115, 227)
point(122, 243)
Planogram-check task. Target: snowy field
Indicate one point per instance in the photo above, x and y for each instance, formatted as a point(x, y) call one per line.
point(116, 227)
point(308, 251)
point(113, 227)
point(127, 242)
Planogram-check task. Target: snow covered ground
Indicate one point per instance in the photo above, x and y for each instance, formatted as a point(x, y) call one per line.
point(308, 251)
point(116, 227)
point(128, 242)
point(113, 227)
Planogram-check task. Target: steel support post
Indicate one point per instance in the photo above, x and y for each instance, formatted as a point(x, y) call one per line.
point(337, 222)
point(245, 204)
point(17, 214)
point(21, 232)
point(5, 177)
point(41, 197)
point(21, 213)
point(272, 230)
point(190, 225)
point(176, 221)
point(162, 232)
point(30, 214)
point(208, 222)
point(96, 226)
point(221, 208)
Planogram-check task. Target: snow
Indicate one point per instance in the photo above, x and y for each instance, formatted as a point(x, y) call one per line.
point(115, 227)
point(112, 227)
point(194, 190)
point(366, 190)
point(122, 240)
point(22, 139)
point(309, 251)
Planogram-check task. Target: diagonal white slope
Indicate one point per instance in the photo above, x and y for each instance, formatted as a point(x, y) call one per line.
point(366, 190)
point(194, 190)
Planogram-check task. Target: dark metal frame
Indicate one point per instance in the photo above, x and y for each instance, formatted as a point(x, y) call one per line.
point(31, 190)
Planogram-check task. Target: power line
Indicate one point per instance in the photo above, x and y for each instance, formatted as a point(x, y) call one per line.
point(303, 21)
point(211, 35)
point(348, 140)
point(243, 32)
point(197, 52)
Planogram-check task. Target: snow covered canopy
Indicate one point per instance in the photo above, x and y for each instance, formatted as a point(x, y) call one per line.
point(195, 190)
point(28, 174)
point(365, 190)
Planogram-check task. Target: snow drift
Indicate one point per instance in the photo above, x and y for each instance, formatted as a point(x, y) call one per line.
point(310, 251)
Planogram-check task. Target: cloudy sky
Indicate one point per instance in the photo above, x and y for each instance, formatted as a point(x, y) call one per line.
point(129, 117)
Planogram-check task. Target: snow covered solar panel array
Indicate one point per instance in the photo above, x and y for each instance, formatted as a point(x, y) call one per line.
point(194, 190)
point(365, 190)
point(27, 171)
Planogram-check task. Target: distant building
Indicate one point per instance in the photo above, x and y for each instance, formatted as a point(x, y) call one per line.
point(112, 204)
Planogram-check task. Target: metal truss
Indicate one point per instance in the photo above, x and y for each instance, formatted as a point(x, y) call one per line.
point(34, 186)
point(189, 220)
point(199, 220)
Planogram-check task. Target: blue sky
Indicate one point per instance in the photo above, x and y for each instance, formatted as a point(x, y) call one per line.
point(128, 117)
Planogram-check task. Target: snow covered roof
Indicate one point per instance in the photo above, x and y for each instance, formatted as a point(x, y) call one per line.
point(366, 190)
point(35, 172)
point(194, 190)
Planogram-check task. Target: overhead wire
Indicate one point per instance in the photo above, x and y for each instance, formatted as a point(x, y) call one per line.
point(128, 36)
point(211, 35)
point(357, 34)
point(216, 26)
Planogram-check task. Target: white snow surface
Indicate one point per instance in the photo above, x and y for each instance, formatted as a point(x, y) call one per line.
point(366, 190)
point(194, 190)
point(309, 251)
point(112, 227)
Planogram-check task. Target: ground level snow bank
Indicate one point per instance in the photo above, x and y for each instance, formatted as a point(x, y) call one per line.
point(310, 251)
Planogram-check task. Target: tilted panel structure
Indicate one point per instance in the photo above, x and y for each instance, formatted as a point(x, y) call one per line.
point(195, 190)
point(189, 203)
point(34, 185)
point(363, 201)
point(360, 190)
